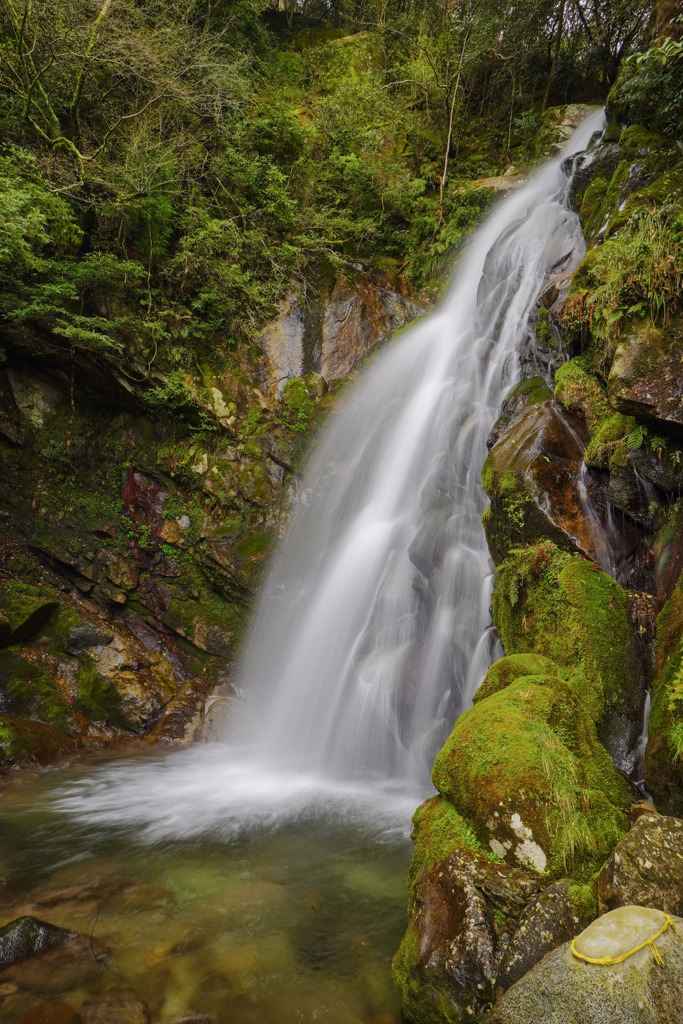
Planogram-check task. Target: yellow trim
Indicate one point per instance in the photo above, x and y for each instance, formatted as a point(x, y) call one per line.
point(607, 961)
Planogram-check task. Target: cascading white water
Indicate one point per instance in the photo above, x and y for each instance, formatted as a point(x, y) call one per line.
point(374, 629)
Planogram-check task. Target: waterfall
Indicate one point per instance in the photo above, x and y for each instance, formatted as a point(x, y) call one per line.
point(372, 632)
point(374, 628)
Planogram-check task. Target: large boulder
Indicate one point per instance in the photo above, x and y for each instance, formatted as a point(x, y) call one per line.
point(563, 989)
point(646, 868)
point(525, 768)
point(547, 602)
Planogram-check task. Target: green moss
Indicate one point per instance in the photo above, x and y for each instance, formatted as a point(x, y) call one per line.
point(584, 899)
point(581, 391)
point(97, 698)
point(531, 749)
point(542, 327)
point(562, 606)
point(438, 830)
point(31, 690)
point(506, 670)
point(607, 441)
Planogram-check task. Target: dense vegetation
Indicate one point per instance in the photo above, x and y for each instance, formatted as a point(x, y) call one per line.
point(168, 166)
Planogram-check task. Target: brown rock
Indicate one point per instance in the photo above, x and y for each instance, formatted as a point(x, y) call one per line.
point(51, 1013)
point(119, 1006)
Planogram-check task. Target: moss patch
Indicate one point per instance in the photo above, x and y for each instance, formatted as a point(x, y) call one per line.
point(526, 768)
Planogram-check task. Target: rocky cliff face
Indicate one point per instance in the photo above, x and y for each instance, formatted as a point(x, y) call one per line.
point(136, 516)
point(540, 781)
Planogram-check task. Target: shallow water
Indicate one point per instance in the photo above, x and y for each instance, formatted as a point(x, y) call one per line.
point(290, 914)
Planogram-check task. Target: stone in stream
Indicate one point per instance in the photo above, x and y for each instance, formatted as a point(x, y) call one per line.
point(563, 989)
point(52, 1012)
point(26, 937)
point(646, 867)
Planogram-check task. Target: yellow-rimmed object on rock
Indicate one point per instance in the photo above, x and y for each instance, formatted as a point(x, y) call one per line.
point(616, 936)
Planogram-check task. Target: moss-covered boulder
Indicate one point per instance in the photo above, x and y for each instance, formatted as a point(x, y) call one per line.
point(506, 670)
point(564, 607)
point(526, 769)
point(645, 379)
point(23, 610)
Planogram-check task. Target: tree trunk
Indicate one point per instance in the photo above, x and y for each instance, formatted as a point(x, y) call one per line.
point(556, 54)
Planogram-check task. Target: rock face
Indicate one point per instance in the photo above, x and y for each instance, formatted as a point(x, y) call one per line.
point(332, 327)
point(563, 989)
point(645, 378)
point(136, 517)
point(664, 752)
point(646, 868)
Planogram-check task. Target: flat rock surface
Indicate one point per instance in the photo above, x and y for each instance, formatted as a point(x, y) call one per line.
point(563, 989)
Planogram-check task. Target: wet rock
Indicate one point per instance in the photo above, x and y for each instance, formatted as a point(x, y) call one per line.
point(645, 378)
point(23, 741)
point(637, 498)
point(563, 989)
point(26, 937)
point(52, 1012)
point(551, 918)
point(119, 1006)
point(329, 328)
point(528, 392)
point(81, 638)
point(446, 963)
point(537, 486)
point(182, 716)
point(563, 607)
point(646, 868)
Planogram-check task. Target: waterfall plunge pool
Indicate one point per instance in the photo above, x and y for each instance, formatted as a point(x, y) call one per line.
point(283, 901)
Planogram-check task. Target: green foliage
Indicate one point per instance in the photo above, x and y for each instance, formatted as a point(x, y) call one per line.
point(636, 272)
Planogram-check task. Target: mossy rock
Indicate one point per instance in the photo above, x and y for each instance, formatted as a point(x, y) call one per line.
point(524, 766)
point(98, 699)
point(664, 751)
point(581, 392)
point(565, 608)
point(30, 689)
point(24, 609)
point(23, 741)
point(645, 379)
point(506, 670)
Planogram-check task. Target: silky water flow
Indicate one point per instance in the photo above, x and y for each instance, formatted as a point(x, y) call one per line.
point(262, 880)
point(373, 629)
